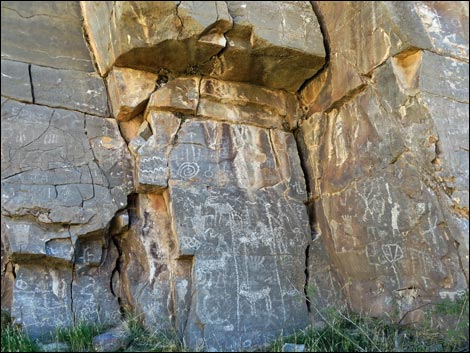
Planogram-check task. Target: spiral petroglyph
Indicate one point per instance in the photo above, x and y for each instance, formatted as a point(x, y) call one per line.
point(188, 170)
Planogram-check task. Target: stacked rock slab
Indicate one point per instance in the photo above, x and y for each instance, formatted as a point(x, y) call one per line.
point(235, 196)
point(218, 236)
point(66, 171)
point(385, 146)
point(214, 240)
point(277, 44)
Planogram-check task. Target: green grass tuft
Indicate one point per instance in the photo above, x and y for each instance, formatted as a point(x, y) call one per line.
point(14, 340)
point(346, 332)
point(79, 337)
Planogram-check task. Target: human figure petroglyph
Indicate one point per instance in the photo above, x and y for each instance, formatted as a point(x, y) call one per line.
point(393, 253)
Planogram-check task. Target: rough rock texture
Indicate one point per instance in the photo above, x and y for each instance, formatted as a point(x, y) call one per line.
point(385, 146)
point(16, 82)
point(64, 173)
point(117, 338)
point(232, 205)
point(69, 89)
point(45, 33)
point(173, 183)
point(274, 44)
point(129, 91)
point(64, 176)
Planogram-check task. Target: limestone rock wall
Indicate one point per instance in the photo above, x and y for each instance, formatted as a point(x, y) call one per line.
point(232, 168)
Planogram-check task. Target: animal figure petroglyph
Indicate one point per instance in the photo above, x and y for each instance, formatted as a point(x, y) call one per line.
point(254, 296)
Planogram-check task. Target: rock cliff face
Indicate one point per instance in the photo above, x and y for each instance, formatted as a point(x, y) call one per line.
point(232, 167)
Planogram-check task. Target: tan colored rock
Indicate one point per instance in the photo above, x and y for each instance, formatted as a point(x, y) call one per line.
point(396, 27)
point(130, 128)
point(179, 95)
point(152, 35)
point(129, 91)
point(243, 103)
point(273, 44)
point(148, 271)
point(331, 85)
point(152, 148)
point(377, 192)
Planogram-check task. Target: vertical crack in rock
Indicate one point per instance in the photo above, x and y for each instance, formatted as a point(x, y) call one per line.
point(31, 83)
point(181, 269)
point(87, 40)
point(72, 313)
point(180, 19)
point(119, 280)
point(311, 215)
point(326, 45)
point(462, 268)
point(307, 278)
point(72, 242)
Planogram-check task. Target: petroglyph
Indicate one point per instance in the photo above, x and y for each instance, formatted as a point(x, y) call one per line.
point(254, 297)
point(188, 170)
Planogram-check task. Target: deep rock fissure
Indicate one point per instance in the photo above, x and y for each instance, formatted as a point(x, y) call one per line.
point(326, 45)
point(31, 83)
point(72, 312)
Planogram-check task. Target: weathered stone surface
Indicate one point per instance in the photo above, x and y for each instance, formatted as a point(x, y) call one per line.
point(378, 197)
point(218, 243)
point(26, 238)
point(247, 104)
point(45, 33)
point(146, 35)
point(251, 302)
point(64, 176)
point(69, 89)
point(236, 205)
point(113, 340)
point(152, 151)
point(16, 81)
point(268, 45)
point(129, 129)
point(7, 273)
point(436, 26)
point(72, 187)
point(179, 95)
point(278, 45)
point(145, 278)
point(120, 223)
point(93, 300)
point(129, 91)
point(227, 101)
point(323, 285)
point(41, 300)
point(235, 196)
point(397, 27)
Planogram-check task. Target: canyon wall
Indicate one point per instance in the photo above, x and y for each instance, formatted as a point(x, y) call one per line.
point(230, 169)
